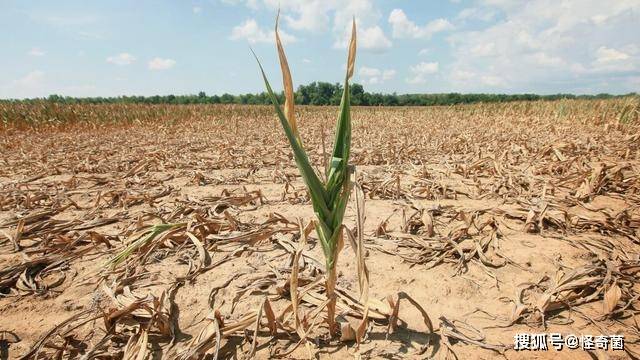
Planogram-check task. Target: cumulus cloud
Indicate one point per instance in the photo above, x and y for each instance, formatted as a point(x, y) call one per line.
point(606, 55)
point(542, 46)
point(325, 15)
point(372, 38)
point(421, 71)
point(121, 59)
point(484, 49)
point(251, 32)
point(310, 15)
point(402, 27)
point(196, 10)
point(370, 75)
point(161, 64)
point(370, 35)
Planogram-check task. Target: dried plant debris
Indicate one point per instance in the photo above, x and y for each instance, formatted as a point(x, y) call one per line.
point(611, 283)
point(185, 231)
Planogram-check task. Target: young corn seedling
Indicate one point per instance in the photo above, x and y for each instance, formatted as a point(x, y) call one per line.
point(329, 199)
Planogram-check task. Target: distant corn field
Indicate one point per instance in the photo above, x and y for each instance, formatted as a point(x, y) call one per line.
point(52, 114)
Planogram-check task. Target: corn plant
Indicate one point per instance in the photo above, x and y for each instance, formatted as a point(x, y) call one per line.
point(329, 199)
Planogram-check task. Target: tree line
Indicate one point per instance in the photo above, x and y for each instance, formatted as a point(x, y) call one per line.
point(322, 93)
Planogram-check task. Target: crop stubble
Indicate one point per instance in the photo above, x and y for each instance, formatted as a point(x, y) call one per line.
point(494, 219)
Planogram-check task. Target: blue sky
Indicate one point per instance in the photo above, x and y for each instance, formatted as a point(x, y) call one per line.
point(147, 47)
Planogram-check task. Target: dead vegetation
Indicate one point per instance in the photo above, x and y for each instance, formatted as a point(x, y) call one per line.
point(481, 221)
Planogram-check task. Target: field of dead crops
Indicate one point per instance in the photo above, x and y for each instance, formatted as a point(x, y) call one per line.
point(478, 222)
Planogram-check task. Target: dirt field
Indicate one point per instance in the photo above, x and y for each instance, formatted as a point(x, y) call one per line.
point(496, 219)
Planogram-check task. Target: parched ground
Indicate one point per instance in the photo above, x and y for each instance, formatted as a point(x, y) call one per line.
point(494, 219)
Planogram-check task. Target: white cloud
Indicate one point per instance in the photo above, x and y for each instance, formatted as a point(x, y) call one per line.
point(420, 72)
point(484, 49)
point(372, 38)
point(460, 75)
point(322, 15)
point(369, 75)
point(475, 13)
point(546, 46)
point(402, 27)
point(161, 64)
point(121, 59)
point(196, 10)
point(36, 52)
point(312, 15)
point(325, 15)
point(250, 31)
point(605, 55)
point(423, 52)
point(544, 59)
point(306, 61)
point(609, 60)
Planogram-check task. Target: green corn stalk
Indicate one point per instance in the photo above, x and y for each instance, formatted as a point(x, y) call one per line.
point(329, 199)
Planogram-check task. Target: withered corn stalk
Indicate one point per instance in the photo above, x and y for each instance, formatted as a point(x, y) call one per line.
point(329, 199)
point(142, 239)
